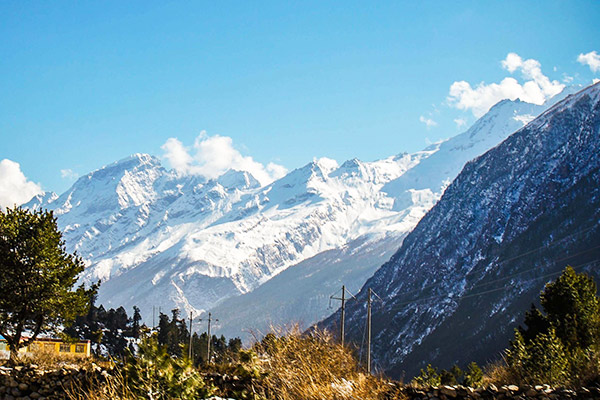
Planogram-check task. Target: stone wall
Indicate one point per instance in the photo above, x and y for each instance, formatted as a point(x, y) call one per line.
point(539, 392)
point(31, 382)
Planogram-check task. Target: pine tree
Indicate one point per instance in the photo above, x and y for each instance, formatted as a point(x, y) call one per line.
point(37, 278)
point(556, 344)
point(135, 327)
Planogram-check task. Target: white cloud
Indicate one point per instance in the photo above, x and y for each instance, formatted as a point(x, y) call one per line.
point(212, 156)
point(591, 59)
point(427, 121)
point(68, 174)
point(460, 122)
point(15, 188)
point(536, 89)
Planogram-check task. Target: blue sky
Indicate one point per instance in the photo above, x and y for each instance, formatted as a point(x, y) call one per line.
point(83, 84)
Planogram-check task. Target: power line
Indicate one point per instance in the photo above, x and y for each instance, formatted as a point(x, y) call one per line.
point(418, 300)
point(532, 269)
point(550, 245)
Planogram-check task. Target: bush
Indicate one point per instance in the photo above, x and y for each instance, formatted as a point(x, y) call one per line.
point(431, 377)
point(473, 376)
point(428, 377)
point(153, 374)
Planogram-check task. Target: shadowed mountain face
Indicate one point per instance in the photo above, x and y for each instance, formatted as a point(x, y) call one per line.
point(510, 222)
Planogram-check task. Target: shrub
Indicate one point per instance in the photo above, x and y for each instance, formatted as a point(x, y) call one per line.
point(153, 374)
point(428, 377)
point(473, 375)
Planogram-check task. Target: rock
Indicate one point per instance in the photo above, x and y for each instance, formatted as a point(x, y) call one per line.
point(448, 391)
point(513, 388)
point(531, 393)
point(35, 395)
point(23, 387)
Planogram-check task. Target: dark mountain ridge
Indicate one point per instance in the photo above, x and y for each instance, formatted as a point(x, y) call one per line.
point(511, 221)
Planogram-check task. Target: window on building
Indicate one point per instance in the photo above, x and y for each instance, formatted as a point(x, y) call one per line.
point(65, 348)
point(80, 348)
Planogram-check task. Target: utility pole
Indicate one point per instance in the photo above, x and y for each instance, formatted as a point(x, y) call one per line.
point(153, 320)
point(343, 316)
point(190, 346)
point(209, 337)
point(369, 332)
point(209, 340)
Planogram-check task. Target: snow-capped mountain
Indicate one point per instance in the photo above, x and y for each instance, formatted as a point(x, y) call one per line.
point(159, 239)
point(511, 221)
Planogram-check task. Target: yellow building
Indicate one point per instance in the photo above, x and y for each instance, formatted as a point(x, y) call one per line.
point(57, 346)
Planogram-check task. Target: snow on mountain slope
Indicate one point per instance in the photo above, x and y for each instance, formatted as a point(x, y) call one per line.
point(434, 174)
point(300, 293)
point(156, 238)
point(512, 220)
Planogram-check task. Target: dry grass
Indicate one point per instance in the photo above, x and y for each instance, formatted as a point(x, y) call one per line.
point(303, 367)
point(108, 387)
point(499, 374)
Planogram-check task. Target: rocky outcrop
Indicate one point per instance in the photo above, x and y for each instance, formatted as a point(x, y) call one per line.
point(32, 382)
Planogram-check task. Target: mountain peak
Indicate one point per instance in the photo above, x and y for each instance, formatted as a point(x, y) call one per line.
point(234, 179)
point(137, 159)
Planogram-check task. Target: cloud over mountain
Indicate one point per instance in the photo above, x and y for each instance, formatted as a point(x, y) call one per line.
point(536, 89)
point(211, 156)
point(15, 188)
point(591, 59)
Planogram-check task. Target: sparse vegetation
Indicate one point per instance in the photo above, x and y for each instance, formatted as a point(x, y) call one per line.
point(430, 376)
